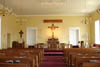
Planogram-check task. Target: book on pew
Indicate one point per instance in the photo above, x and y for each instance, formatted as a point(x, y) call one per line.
point(14, 61)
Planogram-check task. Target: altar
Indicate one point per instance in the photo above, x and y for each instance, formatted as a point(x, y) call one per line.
point(53, 43)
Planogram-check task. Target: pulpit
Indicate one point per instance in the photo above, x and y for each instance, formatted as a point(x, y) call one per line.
point(16, 44)
point(53, 43)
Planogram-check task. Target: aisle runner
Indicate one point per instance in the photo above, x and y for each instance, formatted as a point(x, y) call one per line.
point(53, 59)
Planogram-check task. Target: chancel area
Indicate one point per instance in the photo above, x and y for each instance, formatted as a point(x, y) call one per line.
point(49, 33)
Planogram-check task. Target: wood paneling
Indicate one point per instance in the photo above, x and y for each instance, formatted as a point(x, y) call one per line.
point(53, 21)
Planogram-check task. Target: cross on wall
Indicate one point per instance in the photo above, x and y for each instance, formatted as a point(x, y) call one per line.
point(21, 33)
point(53, 27)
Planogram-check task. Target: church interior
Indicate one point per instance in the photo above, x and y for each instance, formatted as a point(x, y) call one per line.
point(49, 33)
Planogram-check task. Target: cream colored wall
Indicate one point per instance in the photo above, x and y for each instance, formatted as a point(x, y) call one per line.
point(62, 33)
point(9, 25)
point(95, 16)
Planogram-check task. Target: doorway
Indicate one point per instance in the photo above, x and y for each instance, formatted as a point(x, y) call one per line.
point(31, 36)
point(74, 36)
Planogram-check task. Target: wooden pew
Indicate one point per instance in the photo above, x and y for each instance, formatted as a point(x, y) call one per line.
point(83, 59)
point(13, 65)
point(38, 51)
point(27, 52)
point(17, 57)
point(12, 62)
point(73, 57)
point(88, 64)
point(68, 51)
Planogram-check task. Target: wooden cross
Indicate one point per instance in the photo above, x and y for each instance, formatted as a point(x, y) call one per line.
point(53, 27)
point(21, 33)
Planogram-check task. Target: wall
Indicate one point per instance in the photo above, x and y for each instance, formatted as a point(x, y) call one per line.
point(10, 26)
point(62, 33)
point(95, 16)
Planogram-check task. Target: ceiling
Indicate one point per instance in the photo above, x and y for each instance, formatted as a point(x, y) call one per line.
point(53, 7)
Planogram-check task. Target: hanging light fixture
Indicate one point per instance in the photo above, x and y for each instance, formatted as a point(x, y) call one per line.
point(4, 10)
point(21, 20)
point(98, 11)
point(86, 20)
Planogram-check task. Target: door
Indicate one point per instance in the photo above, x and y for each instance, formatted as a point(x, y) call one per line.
point(31, 36)
point(74, 36)
point(8, 40)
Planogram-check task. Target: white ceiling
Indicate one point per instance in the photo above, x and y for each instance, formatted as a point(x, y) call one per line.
point(53, 7)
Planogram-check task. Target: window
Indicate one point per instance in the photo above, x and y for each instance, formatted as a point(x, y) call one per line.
point(97, 32)
point(74, 35)
point(0, 32)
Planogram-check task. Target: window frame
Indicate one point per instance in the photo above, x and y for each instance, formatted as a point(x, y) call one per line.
point(97, 42)
point(0, 32)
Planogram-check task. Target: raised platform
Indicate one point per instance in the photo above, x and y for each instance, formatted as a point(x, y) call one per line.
point(53, 58)
point(53, 52)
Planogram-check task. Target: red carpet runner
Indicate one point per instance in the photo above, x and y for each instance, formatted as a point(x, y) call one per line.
point(53, 58)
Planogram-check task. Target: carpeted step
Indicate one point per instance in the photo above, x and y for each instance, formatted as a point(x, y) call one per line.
point(54, 53)
point(53, 50)
point(53, 58)
point(53, 61)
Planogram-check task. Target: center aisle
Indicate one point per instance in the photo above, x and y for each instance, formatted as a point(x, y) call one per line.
point(53, 58)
